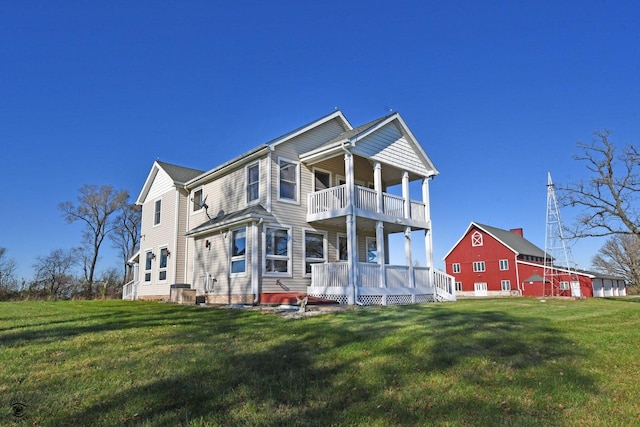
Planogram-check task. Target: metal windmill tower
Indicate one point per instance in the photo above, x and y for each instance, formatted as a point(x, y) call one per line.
point(558, 261)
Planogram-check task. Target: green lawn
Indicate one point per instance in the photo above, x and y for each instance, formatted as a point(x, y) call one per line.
point(520, 362)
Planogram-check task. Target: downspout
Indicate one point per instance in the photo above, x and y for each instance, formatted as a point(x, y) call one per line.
point(255, 232)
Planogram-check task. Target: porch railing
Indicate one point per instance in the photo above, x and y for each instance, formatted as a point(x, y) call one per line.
point(335, 198)
point(130, 290)
point(336, 274)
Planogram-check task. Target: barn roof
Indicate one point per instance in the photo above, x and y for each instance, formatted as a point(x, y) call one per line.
point(514, 241)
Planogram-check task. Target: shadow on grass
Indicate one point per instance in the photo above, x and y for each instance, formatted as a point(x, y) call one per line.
point(410, 365)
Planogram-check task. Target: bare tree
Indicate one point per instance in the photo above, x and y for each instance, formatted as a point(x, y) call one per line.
point(53, 272)
point(608, 199)
point(620, 256)
point(95, 207)
point(8, 269)
point(126, 236)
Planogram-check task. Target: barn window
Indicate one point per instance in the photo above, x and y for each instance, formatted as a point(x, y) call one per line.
point(506, 285)
point(476, 239)
point(478, 266)
point(455, 267)
point(504, 264)
point(458, 286)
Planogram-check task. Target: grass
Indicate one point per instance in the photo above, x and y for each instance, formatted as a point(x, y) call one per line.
point(518, 362)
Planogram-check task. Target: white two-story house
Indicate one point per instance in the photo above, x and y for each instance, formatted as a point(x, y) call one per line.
point(308, 213)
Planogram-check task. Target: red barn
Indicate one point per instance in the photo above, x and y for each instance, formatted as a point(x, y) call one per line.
point(489, 261)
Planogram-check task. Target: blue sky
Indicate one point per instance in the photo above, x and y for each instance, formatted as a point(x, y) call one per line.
point(498, 93)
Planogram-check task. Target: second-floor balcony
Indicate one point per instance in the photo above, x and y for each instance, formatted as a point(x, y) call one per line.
point(333, 202)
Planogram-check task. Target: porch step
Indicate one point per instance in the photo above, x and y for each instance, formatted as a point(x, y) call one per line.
point(290, 298)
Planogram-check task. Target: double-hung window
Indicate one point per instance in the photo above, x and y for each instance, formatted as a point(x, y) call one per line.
point(288, 177)
point(162, 265)
point(478, 266)
point(504, 264)
point(506, 285)
point(238, 250)
point(157, 211)
point(315, 249)
point(148, 261)
point(277, 251)
point(253, 182)
point(455, 267)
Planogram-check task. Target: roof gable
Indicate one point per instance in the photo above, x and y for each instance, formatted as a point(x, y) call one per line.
point(386, 139)
point(163, 176)
point(516, 243)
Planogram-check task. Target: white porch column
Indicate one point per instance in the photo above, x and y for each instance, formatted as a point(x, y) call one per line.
point(428, 234)
point(405, 194)
point(351, 228)
point(381, 254)
point(377, 185)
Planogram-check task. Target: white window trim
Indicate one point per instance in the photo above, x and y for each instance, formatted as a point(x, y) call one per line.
point(338, 236)
point(289, 272)
point(150, 270)
point(476, 239)
point(238, 258)
point(506, 264)
point(456, 267)
point(313, 178)
point(246, 184)
point(458, 286)
point(297, 174)
point(193, 212)
point(505, 284)
point(304, 249)
point(479, 264)
point(565, 286)
point(155, 202)
point(160, 269)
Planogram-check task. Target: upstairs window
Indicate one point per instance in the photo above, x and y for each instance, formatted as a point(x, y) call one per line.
point(253, 182)
point(288, 173)
point(158, 209)
point(478, 266)
point(455, 267)
point(476, 239)
point(504, 264)
point(238, 250)
point(197, 200)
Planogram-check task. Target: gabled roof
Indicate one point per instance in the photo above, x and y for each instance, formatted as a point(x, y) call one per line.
point(223, 219)
point(178, 174)
point(262, 148)
point(518, 244)
point(352, 137)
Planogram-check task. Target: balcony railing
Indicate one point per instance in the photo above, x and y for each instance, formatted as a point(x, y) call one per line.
point(130, 290)
point(332, 201)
